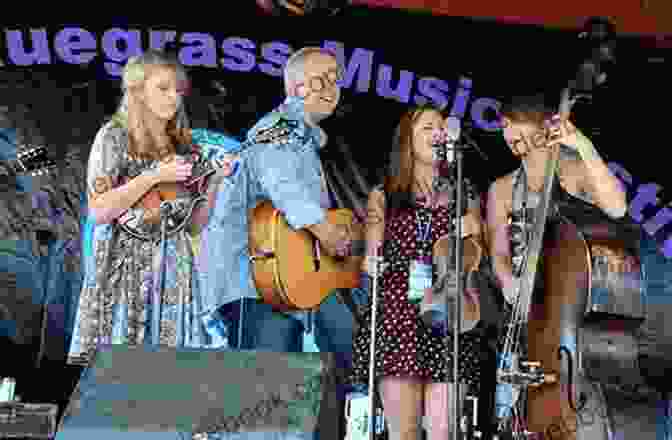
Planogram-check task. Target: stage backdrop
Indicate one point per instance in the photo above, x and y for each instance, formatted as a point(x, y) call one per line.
point(462, 66)
point(392, 60)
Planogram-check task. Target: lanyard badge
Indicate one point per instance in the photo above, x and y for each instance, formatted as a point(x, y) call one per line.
point(419, 279)
point(421, 271)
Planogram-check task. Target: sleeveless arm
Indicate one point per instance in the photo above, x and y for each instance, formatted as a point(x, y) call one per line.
point(374, 231)
point(602, 189)
point(498, 235)
point(473, 212)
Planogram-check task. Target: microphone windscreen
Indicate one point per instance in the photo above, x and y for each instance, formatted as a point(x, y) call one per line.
point(453, 127)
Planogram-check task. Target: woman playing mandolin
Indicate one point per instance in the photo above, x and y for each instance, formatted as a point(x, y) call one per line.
point(531, 130)
point(406, 222)
point(142, 162)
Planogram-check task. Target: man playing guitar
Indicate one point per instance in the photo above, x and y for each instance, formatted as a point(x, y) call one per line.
point(280, 164)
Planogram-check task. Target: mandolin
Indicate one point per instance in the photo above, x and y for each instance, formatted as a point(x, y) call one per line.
point(167, 192)
point(290, 269)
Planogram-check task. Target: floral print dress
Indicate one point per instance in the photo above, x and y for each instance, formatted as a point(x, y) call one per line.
point(121, 300)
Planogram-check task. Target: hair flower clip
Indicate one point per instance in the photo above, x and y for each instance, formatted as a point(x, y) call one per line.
point(439, 136)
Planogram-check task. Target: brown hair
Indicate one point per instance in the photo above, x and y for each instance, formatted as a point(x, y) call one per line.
point(526, 109)
point(398, 183)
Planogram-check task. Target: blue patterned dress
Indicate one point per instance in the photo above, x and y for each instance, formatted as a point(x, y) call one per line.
point(128, 278)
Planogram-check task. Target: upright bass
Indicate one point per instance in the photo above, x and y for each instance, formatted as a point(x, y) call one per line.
point(515, 370)
point(581, 330)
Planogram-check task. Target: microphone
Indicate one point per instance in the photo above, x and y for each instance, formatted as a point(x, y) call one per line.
point(453, 129)
point(445, 139)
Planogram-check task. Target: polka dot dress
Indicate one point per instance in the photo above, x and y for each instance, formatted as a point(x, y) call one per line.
point(405, 346)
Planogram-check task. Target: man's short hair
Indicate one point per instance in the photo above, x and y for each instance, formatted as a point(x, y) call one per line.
point(294, 72)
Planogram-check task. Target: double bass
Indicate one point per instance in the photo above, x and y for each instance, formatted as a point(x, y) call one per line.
point(582, 330)
point(579, 334)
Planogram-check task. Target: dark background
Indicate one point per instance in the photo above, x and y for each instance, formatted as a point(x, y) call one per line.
point(628, 119)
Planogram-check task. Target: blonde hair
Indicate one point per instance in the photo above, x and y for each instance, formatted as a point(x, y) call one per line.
point(130, 118)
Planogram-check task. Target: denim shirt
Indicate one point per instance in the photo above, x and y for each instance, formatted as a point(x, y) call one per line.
point(276, 165)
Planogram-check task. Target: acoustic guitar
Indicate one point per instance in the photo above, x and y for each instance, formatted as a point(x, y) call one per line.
point(290, 269)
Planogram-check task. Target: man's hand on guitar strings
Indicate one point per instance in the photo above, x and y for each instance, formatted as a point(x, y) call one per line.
point(343, 245)
point(336, 239)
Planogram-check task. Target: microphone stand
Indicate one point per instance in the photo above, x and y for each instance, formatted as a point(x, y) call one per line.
point(441, 152)
point(457, 322)
point(456, 408)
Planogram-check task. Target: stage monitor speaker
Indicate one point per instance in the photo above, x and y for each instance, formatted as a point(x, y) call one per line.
point(161, 392)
